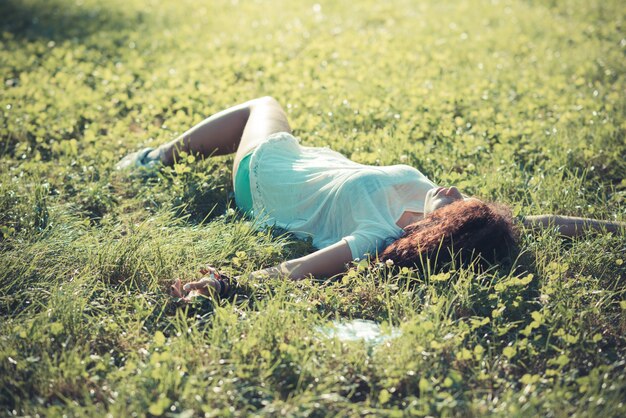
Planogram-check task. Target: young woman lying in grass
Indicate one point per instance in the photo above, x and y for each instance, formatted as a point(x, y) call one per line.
point(350, 210)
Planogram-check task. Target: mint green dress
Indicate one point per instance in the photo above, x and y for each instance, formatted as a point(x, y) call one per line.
point(319, 193)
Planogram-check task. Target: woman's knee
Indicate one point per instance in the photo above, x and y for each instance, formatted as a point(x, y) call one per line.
point(268, 112)
point(266, 102)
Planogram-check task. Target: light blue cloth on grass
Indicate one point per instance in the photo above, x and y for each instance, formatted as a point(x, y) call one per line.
point(369, 332)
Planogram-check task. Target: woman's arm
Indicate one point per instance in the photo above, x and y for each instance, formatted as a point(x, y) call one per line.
point(322, 263)
point(571, 226)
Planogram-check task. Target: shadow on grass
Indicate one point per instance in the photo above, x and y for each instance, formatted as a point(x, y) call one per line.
point(55, 21)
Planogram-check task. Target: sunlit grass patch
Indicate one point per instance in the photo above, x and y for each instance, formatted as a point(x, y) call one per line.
point(519, 102)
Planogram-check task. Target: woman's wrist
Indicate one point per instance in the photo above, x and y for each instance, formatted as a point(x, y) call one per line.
point(281, 270)
point(225, 283)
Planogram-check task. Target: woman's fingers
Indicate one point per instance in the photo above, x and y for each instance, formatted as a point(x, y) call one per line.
point(176, 289)
point(203, 286)
point(195, 285)
point(209, 270)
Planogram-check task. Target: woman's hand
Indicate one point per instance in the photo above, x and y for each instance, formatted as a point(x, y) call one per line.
point(206, 286)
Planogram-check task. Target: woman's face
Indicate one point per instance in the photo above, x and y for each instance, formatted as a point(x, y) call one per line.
point(439, 197)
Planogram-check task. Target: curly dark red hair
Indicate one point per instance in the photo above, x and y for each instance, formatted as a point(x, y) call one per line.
point(458, 232)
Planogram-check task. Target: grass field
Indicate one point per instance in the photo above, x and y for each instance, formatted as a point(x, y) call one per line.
point(521, 102)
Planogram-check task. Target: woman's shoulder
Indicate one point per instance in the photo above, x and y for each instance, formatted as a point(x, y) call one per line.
point(403, 169)
point(401, 173)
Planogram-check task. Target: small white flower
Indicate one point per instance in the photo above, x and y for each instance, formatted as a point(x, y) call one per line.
point(389, 262)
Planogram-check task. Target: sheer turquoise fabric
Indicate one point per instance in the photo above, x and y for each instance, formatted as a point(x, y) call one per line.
point(243, 195)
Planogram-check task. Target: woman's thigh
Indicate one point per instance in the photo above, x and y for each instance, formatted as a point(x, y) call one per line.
point(266, 117)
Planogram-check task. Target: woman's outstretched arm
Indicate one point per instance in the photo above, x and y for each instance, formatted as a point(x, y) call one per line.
point(571, 226)
point(326, 262)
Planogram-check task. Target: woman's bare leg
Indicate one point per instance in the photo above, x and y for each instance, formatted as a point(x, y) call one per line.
point(237, 129)
point(266, 117)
